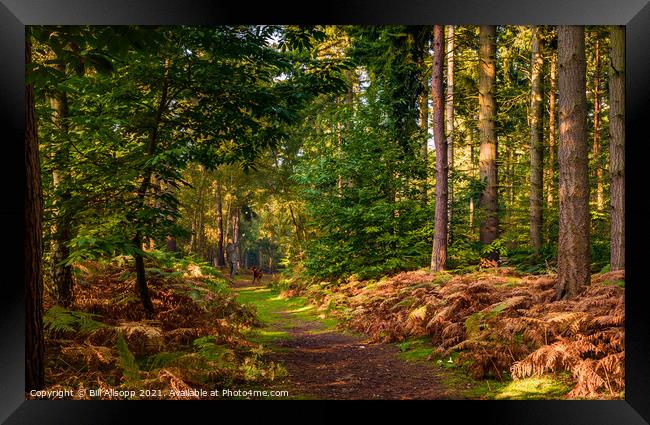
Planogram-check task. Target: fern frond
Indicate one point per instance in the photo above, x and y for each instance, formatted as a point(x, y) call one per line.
point(59, 319)
point(127, 361)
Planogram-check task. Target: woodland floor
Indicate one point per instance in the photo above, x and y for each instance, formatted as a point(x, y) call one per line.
point(492, 334)
point(325, 362)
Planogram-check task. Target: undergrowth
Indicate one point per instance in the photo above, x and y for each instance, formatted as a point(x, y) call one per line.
point(497, 325)
point(197, 339)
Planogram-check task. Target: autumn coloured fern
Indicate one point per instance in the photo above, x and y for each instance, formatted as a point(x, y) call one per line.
point(499, 323)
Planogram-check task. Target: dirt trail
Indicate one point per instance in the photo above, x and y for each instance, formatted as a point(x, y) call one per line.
point(326, 363)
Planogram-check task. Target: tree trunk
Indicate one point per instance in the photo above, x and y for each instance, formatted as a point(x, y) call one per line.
point(424, 126)
point(61, 274)
point(472, 173)
point(488, 141)
point(449, 118)
point(239, 240)
point(227, 230)
point(200, 226)
point(221, 260)
point(513, 176)
point(536, 144)
point(510, 179)
point(573, 247)
point(235, 239)
point(297, 225)
point(596, 147)
point(141, 281)
point(339, 144)
point(439, 250)
point(157, 190)
point(193, 233)
point(617, 146)
point(552, 99)
point(34, 342)
point(197, 217)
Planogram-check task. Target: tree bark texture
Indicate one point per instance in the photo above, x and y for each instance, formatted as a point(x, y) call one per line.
point(34, 342)
point(61, 274)
point(449, 119)
point(536, 142)
point(221, 260)
point(488, 200)
point(552, 130)
point(600, 196)
point(617, 146)
point(573, 246)
point(439, 250)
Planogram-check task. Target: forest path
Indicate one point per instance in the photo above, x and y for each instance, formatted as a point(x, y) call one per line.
point(324, 362)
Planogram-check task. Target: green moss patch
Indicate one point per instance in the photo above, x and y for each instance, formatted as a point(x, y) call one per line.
point(413, 350)
point(534, 388)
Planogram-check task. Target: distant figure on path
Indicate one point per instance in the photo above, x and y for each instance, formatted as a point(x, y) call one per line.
point(257, 275)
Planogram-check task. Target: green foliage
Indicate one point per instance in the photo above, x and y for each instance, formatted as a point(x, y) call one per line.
point(600, 254)
point(463, 252)
point(496, 247)
point(312, 135)
point(208, 348)
point(415, 349)
point(129, 365)
point(144, 103)
point(160, 360)
point(367, 220)
point(59, 319)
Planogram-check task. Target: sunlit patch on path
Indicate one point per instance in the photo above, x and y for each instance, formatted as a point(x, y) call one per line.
point(325, 362)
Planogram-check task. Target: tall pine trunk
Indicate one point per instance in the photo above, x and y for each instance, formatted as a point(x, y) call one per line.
point(488, 141)
point(510, 182)
point(552, 144)
point(439, 250)
point(600, 197)
point(536, 142)
point(617, 146)
point(449, 121)
point(472, 173)
point(424, 126)
point(61, 273)
point(34, 342)
point(233, 248)
point(237, 236)
point(573, 247)
point(221, 260)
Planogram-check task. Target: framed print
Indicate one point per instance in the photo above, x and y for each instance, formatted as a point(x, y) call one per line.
point(222, 201)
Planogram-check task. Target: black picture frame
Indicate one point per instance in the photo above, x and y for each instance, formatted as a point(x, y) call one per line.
point(634, 14)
